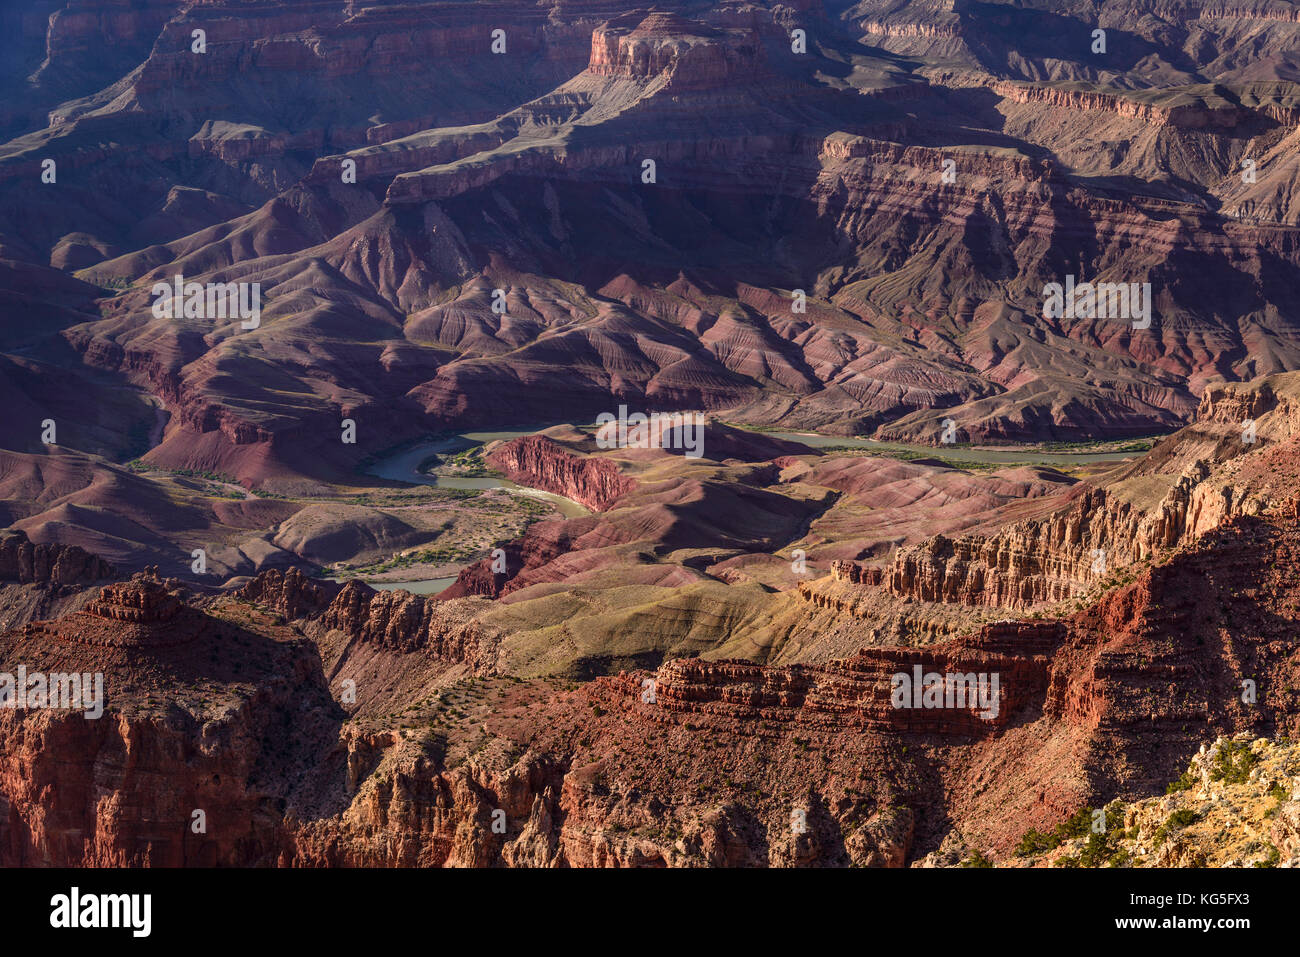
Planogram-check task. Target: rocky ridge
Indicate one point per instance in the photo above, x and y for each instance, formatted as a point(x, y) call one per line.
point(1103, 530)
point(580, 773)
point(538, 462)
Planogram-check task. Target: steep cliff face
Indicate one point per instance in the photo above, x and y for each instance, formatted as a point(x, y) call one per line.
point(1196, 115)
point(399, 621)
point(647, 78)
point(687, 55)
point(857, 692)
point(291, 593)
point(40, 581)
point(1053, 559)
point(1214, 470)
point(538, 462)
point(698, 762)
point(24, 562)
point(395, 621)
point(284, 39)
point(199, 714)
point(405, 813)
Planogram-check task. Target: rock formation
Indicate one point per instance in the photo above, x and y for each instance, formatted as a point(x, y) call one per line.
point(1066, 554)
point(56, 565)
point(600, 274)
point(701, 761)
point(786, 216)
point(540, 463)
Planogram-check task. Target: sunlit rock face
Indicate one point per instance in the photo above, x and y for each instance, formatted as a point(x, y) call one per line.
point(730, 647)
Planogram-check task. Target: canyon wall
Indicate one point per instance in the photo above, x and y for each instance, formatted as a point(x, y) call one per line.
point(396, 621)
point(1101, 532)
point(707, 767)
point(41, 581)
point(537, 462)
point(24, 562)
point(856, 693)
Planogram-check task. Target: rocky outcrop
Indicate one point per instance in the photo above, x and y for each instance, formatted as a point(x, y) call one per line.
point(143, 612)
point(1186, 115)
point(401, 622)
point(144, 600)
point(879, 28)
point(41, 581)
point(408, 815)
point(192, 770)
point(1044, 560)
point(53, 767)
point(1234, 406)
point(858, 692)
point(1226, 457)
point(395, 621)
point(27, 563)
point(686, 54)
point(290, 593)
point(1236, 805)
point(855, 574)
point(699, 762)
point(538, 462)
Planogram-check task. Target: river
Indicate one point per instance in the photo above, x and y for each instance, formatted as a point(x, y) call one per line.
point(961, 453)
point(428, 586)
point(404, 466)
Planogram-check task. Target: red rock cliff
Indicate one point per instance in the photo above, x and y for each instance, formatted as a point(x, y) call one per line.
point(538, 462)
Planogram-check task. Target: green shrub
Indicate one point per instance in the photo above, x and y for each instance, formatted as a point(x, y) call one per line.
point(1035, 842)
point(1176, 821)
point(1233, 763)
point(1274, 856)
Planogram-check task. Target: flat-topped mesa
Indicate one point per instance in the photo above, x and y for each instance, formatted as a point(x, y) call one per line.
point(689, 55)
point(145, 599)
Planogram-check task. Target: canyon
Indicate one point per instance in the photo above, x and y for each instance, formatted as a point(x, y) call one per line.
point(477, 231)
point(425, 732)
point(655, 294)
